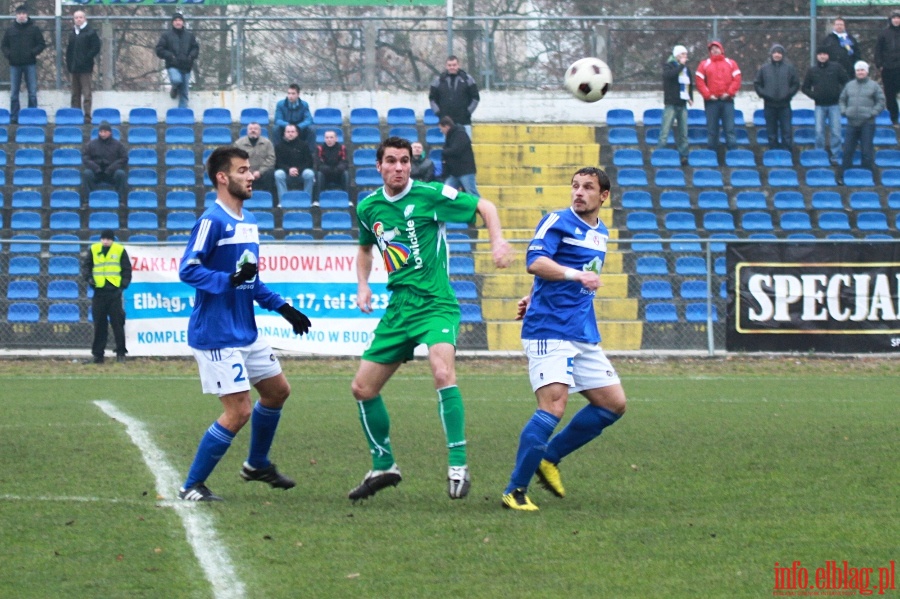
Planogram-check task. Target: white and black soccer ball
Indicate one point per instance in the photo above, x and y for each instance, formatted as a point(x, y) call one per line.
point(588, 79)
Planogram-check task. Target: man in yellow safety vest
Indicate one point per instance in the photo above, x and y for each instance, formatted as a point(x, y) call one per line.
point(107, 270)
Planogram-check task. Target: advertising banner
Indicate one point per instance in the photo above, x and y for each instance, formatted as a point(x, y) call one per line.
point(317, 279)
point(835, 297)
point(266, 2)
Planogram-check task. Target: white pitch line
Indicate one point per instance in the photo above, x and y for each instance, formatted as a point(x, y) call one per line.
point(198, 524)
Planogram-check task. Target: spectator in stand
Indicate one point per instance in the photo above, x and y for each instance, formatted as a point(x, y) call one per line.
point(823, 83)
point(678, 94)
point(887, 59)
point(458, 157)
point(104, 159)
point(179, 48)
point(82, 48)
point(718, 80)
point(333, 167)
point(22, 43)
point(294, 165)
point(295, 111)
point(861, 101)
point(842, 47)
point(776, 83)
point(262, 156)
point(454, 93)
point(421, 167)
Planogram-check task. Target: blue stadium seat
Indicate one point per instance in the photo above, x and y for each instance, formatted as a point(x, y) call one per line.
point(697, 117)
point(254, 115)
point(180, 177)
point(4, 134)
point(703, 159)
point(741, 136)
point(720, 245)
point(65, 177)
point(111, 115)
point(265, 221)
point(260, 200)
point(885, 136)
point(217, 116)
point(142, 136)
point(788, 200)
point(778, 159)
point(669, 177)
point(464, 290)
point(738, 118)
point(63, 266)
point(883, 118)
point(66, 157)
point(801, 236)
point(718, 221)
point(24, 266)
point(180, 116)
point(336, 221)
point(632, 177)
point(690, 266)
point(180, 135)
point(429, 119)
point(337, 237)
point(30, 135)
point(697, 312)
point(675, 200)
point(646, 242)
point(827, 200)
point(297, 221)
point(178, 238)
point(29, 157)
point(142, 157)
point(652, 117)
point(181, 200)
point(103, 220)
point(872, 221)
point(364, 116)
point(685, 243)
point(651, 137)
point(459, 243)
point(401, 116)
point(146, 117)
point(27, 199)
point(62, 290)
point(865, 200)
point(693, 289)
point(63, 312)
point(434, 136)
point(22, 290)
point(28, 177)
point(299, 237)
point(364, 157)
point(656, 290)
point(887, 158)
point(25, 221)
point(470, 313)
point(69, 116)
point(713, 200)
point(756, 221)
point(660, 312)
point(745, 178)
point(876, 236)
point(103, 198)
point(893, 200)
point(328, 117)
point(858, 177)
point(180, 157)
point(436, 156)
point(23, 312)
point(620, 117)
point(890, 177)
point(334, 199)
point(209, 199)
point(623, 136)
point(641, 221)
point(720, 266)
point(814, 159)
point(820, 177)
point(834, 221)
point(664, 157)
point(142, 177)
point(178, 221)
point(142, 200)
point(651, 265)
point(410, 134)
point(707, 178)
point(296, 199)
point(368, 177)
point(462, 265)
point(628, 157)
point(795, 221)
point(365, 135)
point(33, 116)
point(637, 200)
point(803, 117)
point(62, 220)
point(20, 244)
point(142, 220)
point(740, 159)
point(805, 136)
point(216, 136)
point(68, 136)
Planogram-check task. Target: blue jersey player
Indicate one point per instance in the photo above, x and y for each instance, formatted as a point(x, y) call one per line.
point(220, 262)
point(561, 340)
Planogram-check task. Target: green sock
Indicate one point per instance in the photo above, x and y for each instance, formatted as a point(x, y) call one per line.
point(377, 427)
point(453, 417)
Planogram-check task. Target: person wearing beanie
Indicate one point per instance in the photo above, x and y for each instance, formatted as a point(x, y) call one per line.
point(861, 101)
point(179, 48)
point(823, 83)
point(776, 83)
point(887, 60)
point(678, 94)
point(718, 80)
point(842, 47)
point(104, 159)
point(82, 49)
point(107, 270)
point(22, 43)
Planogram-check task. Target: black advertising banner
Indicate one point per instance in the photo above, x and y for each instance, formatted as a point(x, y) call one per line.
point(826, 297)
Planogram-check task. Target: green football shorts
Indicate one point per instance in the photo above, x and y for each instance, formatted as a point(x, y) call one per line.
point(411, 319)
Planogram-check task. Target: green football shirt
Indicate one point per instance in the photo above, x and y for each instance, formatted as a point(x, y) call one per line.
point(410, 234)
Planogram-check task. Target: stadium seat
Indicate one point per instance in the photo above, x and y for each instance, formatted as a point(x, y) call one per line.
point(713, 200)
point(827, 200)
point(365, 135)
point(641, 221)
point(834, 221)
point(632, 177)
point(883, 118)
point(20, 244)
point(364, 116)
point(23, 312)
point(651, 265)
point(63, 266)
point(265, 221)
point(142, 157)
point(718, 221)
point(217, 116)
point(646, 242)
point(328, 117)
point(142, 177)
point(364, 157)
point(66, 157)
point(669, 177)
point(103, 199)
point(180, 116)
point(4, 134)
point(740, 159)
point(33, 116)
point(756, 221)
point(25, 221)
point(858, 177)
point(65, 221)
point(872, 221)
point(875, 237)
point(637, 200)
point(464, 290)
point(180, 177)
point(685, 243)
point(179, 135)
point(368, 177)
point(660, 312)
point(788, 200)
point(690, 266)
point(181, 200)
point(336, 221)
point(411, 134)
point(254, 115)
point(296, 199)
point(30, 135)
point(745, 178)
point(652, 117)
point(628, 157)
point(470, 313)
point(337, 237)
point(803, 117)
point(111, 115)
point(703, 159)
point(299, 237)
point(63, 312)
point(216, 136)
point(865, 200)
point(297, 221)
point(29, 157)
point(142, 117)
point(801, 236)
point(180, 157)
point(707, 178)
point(334, 199)
point(462, 265)
point(887, 158)
point(28, 177)
point(719, 245)
point(429, 119)
point(22, 290)
point(401, 116)
point(693, 289)
point(142, 200)
point(24, 266)
point(434, 136)
point(820, 177)
point(178, 221)
point(665, 157)
point(623, 136)
point(656, 290)
point(459, 243)
point(778, 159)
point(620, 117)
point(142, 220)
point(675, 200)
point(69, 116)
point(103, 220)
point(795, 221)
point(26, 199)
point(697, 312)
point(65, 199)
point(142, 136)
point(65, 177)
point(260, 200)
point(814, 159)
point(804, 136)
point(68, 136)
point(885, 136)
point(62, 290)
point(651, 137)
point(890, 177)
point(697, 136)
point(697, 117)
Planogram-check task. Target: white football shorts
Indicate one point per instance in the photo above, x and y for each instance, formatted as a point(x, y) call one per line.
point(235, 369)
point(574, 363)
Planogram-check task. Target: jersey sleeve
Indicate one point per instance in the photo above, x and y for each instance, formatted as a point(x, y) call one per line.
point(452, 206)
point(265, 297)
point(546, 239)
point(366, 236)
point(192, 270)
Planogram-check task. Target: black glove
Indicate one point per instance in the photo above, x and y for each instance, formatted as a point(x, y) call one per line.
point(248, 271)
point(297, 319)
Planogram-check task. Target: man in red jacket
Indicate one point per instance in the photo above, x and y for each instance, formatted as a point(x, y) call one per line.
point(718, 80)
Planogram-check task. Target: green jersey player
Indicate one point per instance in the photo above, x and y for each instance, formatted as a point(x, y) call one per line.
point(405, 220)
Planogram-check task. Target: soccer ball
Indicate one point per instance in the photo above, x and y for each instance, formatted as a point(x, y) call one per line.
point(588, 79)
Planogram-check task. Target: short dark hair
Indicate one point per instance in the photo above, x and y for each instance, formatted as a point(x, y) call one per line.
point(446, 121)
point(220, 161)
point(393, 142)
point(452, 57)
point(602, 177)
point(294, 86)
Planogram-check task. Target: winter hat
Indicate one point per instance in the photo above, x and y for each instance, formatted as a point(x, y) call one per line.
point(104, 126)
point(821, 50)
point(679, 49)
point(177, 15)
point(21, 9)
point(107, 234)
point(894, 13)
point(861, 64)
point(777, 48)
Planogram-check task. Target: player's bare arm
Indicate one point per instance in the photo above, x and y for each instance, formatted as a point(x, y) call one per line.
point(363, 270)
point(501, 252)
point(549, 270)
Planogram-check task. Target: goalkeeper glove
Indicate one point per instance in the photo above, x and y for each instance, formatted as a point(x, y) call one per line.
point(247, 271)
point(297, 319)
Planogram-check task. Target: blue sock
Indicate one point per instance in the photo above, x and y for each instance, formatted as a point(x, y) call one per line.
point(586, 425)
point(212, 447)
point(532, 445)
point(263, 423)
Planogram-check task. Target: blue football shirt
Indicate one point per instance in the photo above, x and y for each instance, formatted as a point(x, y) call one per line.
point(565, 309)
point(223, 315)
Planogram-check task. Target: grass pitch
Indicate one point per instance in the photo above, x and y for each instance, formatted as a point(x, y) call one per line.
point(719, 469)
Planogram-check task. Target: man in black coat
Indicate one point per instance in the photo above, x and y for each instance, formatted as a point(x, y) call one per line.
point(81, 50)
point(333, 165)
point(776, 83)
point(678, 94)
point(842, 47)
point(22, 43)
point(104, 161)
point(454, 93)
point(179, 48)
point(294, 164)
point(824, 83)
point(887, 59)
point(457, 157)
